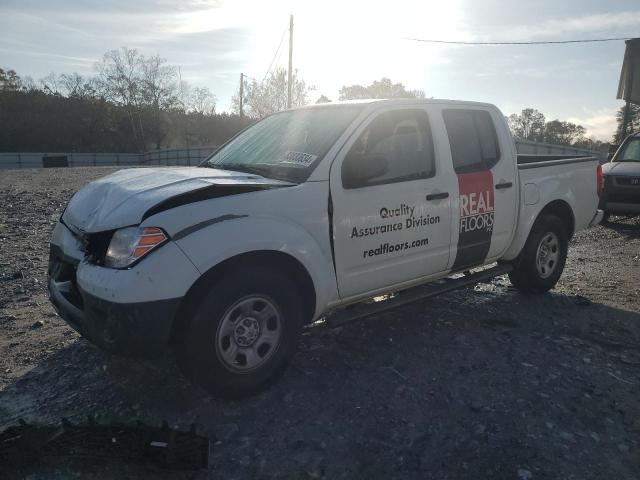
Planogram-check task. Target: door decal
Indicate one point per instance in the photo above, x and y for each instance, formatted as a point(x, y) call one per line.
point(476, 218)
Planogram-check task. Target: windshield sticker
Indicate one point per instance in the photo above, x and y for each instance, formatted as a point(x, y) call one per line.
point(299, 159)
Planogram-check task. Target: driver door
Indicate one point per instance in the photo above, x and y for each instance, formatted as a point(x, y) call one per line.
point(391, 204)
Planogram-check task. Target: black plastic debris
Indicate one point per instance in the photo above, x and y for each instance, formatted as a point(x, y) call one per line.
point(162, 446)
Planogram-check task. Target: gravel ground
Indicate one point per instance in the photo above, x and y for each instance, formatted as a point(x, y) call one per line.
point(479, 383)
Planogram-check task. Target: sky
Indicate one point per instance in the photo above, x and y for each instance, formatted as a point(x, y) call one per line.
point(342, 42)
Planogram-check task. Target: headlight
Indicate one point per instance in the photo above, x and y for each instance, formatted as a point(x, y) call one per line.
point(130, 244)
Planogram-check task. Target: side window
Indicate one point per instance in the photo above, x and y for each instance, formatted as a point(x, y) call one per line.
point(473, 140)
point(395, 147)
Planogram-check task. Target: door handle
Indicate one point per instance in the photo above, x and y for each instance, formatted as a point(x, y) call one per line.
point(500, 186)
point(437, 196)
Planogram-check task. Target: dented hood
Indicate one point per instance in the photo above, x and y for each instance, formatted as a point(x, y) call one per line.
point(124, 198)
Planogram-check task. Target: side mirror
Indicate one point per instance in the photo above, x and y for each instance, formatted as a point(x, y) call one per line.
point(359, 169)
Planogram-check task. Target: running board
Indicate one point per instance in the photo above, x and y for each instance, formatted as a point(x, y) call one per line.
point(359, 310)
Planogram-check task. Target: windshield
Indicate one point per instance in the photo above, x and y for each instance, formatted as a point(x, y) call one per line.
point(286, 145)
point(630, 152)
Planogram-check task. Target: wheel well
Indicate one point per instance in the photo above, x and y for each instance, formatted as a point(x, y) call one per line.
point(562, 210)
point(268, 258)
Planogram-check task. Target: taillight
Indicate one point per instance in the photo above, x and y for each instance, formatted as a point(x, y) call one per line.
point(599, 181)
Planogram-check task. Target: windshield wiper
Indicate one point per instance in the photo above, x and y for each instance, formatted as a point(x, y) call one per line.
point(264, 170)
point(240, 167)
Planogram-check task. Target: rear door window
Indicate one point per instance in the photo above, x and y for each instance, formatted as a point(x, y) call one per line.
point(473, 140)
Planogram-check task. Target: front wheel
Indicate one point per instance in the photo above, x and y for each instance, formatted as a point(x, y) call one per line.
point(541, 262)
point(243, 332)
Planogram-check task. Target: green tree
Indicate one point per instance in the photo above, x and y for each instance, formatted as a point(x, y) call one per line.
point(383, 88)
point(563, 133)
point(527, 125)
point(9, 81)
point(633, 125)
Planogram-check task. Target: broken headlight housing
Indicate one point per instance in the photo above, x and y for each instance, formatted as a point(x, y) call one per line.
point(130, 244)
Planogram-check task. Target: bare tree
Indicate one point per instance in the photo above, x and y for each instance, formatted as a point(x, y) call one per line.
point(159, 92)
point(76, 86)
point(270, 96)
point(119, 81)
point(201, 101)
point(145, 87)
point(383, 88)
point(158, 84)
point(51, 84)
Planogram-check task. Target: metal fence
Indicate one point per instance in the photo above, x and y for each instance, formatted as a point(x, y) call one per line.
point(538, 148)
point(182, 156)
point(193, 156)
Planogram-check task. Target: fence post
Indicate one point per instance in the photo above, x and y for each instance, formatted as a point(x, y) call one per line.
point(19, 160)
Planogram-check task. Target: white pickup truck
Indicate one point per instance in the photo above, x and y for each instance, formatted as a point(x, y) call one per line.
point(301, 214)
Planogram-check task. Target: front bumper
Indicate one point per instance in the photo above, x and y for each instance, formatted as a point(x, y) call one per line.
point(620, 196)
point(136, 329)
point(123, 311)
point(597, 218)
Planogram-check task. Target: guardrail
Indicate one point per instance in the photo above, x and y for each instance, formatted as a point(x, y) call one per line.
point(193, 156)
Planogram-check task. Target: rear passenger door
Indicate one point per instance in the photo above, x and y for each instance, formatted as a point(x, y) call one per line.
point(391, 205)
point(485, 212)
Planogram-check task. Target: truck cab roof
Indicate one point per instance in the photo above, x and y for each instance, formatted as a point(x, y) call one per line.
point(397, 101)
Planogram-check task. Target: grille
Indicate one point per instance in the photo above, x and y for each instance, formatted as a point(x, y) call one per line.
point(62, 269)
point(631, 181)
point(96, 245)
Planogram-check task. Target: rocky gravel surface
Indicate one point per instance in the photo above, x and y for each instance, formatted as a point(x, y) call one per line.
point(479, 383)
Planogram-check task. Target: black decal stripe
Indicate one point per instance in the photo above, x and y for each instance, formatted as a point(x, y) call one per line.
point(206, 193)
point(199, 226)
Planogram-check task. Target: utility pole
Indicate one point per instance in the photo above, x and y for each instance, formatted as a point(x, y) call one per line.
point(241, 93)
point(289, 81)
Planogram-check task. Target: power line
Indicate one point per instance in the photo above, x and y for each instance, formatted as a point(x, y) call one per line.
point(275, 55)
point(547, 42)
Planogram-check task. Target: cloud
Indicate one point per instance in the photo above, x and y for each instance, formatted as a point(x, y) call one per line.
point(560, 28)
point(600, 124)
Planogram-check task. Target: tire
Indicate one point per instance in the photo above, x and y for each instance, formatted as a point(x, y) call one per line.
point(243, 332)
point(606, 217)
point(547, 242)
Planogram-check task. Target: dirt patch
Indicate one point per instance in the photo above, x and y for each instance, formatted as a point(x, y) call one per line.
point(479, 383)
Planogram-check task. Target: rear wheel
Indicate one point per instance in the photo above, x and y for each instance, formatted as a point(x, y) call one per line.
point(542, 260)
point(243, 332)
